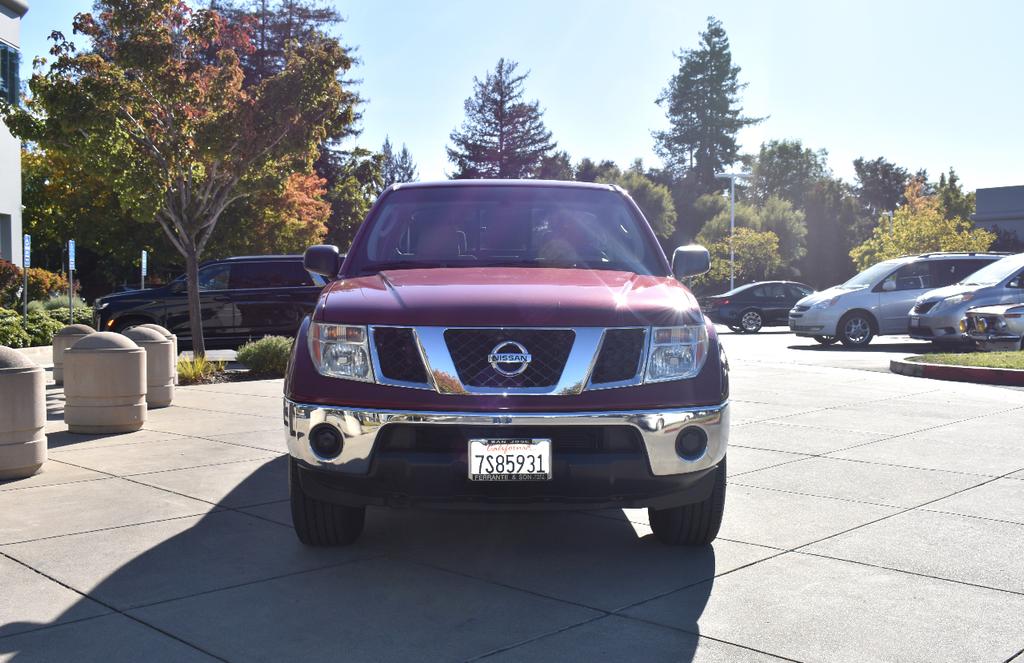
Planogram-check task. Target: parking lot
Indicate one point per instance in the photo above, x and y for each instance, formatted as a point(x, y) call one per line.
point(870, 517)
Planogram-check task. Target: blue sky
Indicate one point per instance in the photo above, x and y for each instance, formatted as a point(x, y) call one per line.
point(925, 84)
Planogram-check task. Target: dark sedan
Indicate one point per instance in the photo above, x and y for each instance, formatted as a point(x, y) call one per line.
point(749, 307)
point(241, 298)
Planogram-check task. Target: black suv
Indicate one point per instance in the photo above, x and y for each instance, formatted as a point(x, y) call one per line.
point(241, 298)
point(749, 307)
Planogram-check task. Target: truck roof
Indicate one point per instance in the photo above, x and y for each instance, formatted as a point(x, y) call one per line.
point(524, 183)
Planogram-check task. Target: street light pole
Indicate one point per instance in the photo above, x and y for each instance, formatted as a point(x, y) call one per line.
point(732, 221)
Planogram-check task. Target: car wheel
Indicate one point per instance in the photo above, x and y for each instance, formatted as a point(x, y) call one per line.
point(692, 524)
point(826, 340)
point(856, 330)
point(319, 523)
point(736, 328)
point(751, 321)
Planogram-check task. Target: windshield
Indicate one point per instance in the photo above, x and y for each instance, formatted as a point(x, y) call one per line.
point(995, 272)
point(508, 226)
point(871, 275)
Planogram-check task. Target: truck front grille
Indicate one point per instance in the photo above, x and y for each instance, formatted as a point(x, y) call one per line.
point(397, 355)
point(620, 356)
point(470, 350)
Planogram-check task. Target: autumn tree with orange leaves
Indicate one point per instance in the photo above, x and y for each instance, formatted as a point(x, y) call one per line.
point(160, 108)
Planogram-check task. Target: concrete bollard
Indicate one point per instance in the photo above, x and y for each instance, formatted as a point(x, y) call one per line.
point(22, 415)
point(170, 337)
point(104, 385)
point(161, 367)
point(63, 340)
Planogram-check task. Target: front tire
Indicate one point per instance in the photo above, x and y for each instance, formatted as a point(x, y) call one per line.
point(826, 340)
point(856, 330)
point(736, 328)
point(319, 523)
point(751, 321)
point(692, 524)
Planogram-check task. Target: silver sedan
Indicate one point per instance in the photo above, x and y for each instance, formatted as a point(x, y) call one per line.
point(995, 327)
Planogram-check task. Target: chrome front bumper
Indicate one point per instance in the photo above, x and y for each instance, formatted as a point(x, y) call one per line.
point(658, 428)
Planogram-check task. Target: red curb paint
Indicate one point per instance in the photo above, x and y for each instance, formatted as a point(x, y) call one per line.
point(1008, 377)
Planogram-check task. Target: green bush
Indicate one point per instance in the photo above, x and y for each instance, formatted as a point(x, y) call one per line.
point(61, 302)
point(12, 334)
point(83, 315)
point(267, 357)
point(41, 328)
point(42, 284)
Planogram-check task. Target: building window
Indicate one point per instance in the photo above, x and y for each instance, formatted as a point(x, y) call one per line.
point(9, 74)
point(5, 238)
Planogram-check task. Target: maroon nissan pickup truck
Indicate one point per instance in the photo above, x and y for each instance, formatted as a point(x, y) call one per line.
point(506, 345)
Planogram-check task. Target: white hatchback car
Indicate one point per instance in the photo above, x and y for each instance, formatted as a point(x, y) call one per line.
point(878, 300)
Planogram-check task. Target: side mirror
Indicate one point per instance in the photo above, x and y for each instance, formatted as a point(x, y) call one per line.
point(691, 260)
point(176, 287)
point(322, 259)
point(888, 285)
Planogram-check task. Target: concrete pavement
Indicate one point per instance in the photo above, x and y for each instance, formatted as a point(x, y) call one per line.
point(870, 517)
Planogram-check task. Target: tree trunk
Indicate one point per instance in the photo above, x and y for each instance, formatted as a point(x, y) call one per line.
point(195, 318)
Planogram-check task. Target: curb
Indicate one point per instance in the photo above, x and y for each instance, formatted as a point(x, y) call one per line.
point(1007, 377)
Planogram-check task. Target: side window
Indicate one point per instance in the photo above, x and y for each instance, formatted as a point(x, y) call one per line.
point(796, 292)
point(282, 274)
point(214, 277)
point(1016, 281)
point(760, 292)
point(913, 276)
point(948, 272)
point(777, 291)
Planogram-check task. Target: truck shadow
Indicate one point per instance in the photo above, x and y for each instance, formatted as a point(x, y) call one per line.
point(227, 582)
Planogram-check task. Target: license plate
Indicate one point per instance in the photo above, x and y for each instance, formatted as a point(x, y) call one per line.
point(510, 459)
point(915, 322)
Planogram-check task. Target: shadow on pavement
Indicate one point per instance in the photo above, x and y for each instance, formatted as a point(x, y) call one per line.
point(418, 586)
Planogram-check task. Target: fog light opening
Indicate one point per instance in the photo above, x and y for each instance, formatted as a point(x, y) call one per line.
point(326, 441)
point(691, 443)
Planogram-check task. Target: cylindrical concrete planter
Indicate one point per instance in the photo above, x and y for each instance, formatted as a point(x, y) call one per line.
point(22, 415)
point(104, 385)
point(63, 340)
point(170, 337)
point(160, 365)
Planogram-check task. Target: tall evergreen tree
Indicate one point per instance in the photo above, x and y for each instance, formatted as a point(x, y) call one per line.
point(787, 169)
point(955, 203)
point(396, 167)
point(702, 103)
point(556, 166)
point(502, 135)
point(880, 185)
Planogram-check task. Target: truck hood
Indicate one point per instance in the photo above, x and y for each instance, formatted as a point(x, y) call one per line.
point(506, 297)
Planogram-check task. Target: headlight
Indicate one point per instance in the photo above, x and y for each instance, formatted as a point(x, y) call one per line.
point(953, 301)
point(964, 326)
point(101, 305)
point(340, 351)
point(825, 303)
point(677, 353)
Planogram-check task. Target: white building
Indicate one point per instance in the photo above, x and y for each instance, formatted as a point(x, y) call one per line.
point(11, 12)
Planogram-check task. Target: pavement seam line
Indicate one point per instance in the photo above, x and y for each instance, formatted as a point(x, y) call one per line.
point(108, 607)
point(106, 529)
point(527, 641)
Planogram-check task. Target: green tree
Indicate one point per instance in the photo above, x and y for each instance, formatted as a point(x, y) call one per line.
point(831, 214)
point(159, 107)
point(358, 179)
point(396, 167)
point(789, 225)
point(879, 185)
point(588, 170)
point(702, 103)
point(954, 201)
point(919, 226)
point(788, 170)
point(503, 136)
point(716, 229)
point(556, 166)
point(756, 259)
point(654, 200)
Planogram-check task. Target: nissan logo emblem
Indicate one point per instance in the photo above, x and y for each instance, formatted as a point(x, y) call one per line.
point(509, 358)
